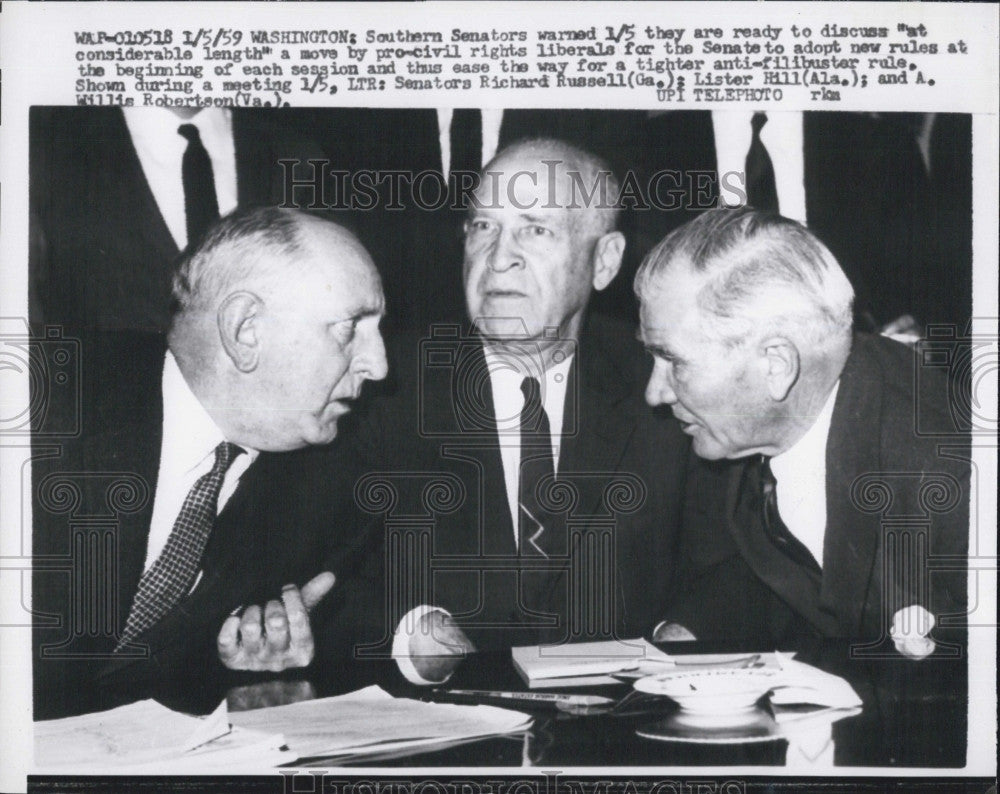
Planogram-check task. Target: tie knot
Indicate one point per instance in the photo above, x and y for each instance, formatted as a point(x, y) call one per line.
point(225, 454)
point(190, 133)
point(532, 390)
point(757, 122)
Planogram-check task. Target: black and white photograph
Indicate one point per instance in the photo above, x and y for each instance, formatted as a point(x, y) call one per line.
point(375, 439)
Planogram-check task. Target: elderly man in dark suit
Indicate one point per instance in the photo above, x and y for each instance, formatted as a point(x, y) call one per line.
point(177, 503)
point(836, 511)
point(525, 491)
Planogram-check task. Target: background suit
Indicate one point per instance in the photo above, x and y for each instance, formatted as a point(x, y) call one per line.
point(901, 232)
point(886, 486)
point(430, 471)
point(102, 256)
point(93, 501)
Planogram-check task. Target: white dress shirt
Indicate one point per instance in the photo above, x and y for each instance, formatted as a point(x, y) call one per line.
point(187, 452)
point(161, 150)
point(800, 472)
point(784, 140)
point(801, 491)
point(492, 118)
point(508, 401)
point(506, 375)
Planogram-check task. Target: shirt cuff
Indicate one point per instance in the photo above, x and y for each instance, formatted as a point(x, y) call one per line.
point(406, 629)
point(910, 627)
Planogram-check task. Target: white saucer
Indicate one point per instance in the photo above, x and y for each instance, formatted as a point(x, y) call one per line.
point(711, 691)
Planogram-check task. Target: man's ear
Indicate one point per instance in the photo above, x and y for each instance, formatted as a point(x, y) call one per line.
point(608, 253)
point(239, 328)
point(782, 363)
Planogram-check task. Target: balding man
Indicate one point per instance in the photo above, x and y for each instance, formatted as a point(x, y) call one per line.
point(549, 492)
point(850, 522)
point(275, 330)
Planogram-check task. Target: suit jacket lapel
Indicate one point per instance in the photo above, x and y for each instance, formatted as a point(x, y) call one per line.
point(598, 423)
point(131, 448)
point(253, 164)
point(851, 543)
point(155, 232)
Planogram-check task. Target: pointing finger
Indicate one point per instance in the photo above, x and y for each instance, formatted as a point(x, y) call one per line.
point(315, 589)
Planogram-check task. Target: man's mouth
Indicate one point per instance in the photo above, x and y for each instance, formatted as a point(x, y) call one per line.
point(686, 425)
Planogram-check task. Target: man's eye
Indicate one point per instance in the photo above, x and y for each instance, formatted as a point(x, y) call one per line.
point(538, 231)
point(345, 331)
point(476, 226)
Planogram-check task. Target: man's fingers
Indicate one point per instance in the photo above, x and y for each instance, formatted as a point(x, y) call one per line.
point(228, 639)
point(250, 630)
point(276, 626)
point(316, 588)
point(298, 616)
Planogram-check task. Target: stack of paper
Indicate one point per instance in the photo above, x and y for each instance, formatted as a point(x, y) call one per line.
point(372, 721)
point(586, 663)
point(146, 737)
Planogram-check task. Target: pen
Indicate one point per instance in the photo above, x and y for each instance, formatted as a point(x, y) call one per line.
point(539, 698)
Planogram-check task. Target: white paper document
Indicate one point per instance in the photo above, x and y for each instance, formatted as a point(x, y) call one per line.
point(147, 737)
point(372, 720)
point(586, 663)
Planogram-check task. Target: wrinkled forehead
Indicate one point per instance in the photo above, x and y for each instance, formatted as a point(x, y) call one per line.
point(333, 271)
point(538, 181)
point(668, 302)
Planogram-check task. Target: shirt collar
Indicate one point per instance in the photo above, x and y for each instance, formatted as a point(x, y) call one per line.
point(810, 450)
point(155, 129)
point(191, 432)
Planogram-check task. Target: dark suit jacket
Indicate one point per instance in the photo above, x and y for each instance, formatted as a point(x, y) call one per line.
point(428, 468)
point(102, 256)
point(903, 236)
point(890, 491)
point(93, 501)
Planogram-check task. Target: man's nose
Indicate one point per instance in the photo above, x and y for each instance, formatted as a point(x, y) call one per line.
point(372, 363)
point(659, 390)
point(504, 252)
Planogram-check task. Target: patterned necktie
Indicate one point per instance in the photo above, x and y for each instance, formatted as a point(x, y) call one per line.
point(774, 527)
point(201, 206)
point(536, 465)
point(762, 193)
point(170, 578)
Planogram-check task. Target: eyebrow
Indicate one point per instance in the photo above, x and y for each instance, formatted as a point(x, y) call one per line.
point(653, 348)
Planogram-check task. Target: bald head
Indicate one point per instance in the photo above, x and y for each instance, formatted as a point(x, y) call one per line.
point(573, 178)
point(257, 248)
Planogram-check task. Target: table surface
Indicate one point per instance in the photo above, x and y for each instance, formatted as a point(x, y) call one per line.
point(914, 714)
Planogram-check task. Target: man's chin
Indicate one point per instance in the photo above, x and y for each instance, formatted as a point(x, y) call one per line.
point(502, 328)
point(707, 450)
point(321, 434)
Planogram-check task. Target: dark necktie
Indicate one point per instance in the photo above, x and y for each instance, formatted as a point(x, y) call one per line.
point(536, 464)
point(466, 140)
point(762, 193)
point(201, 206)
point(170, 578)
point(774, 527)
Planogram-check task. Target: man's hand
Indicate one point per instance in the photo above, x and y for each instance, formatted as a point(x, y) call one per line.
point(284, 639)
point(672, 632)
point(438, 646)
point(910, 627)
point(903, 329)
